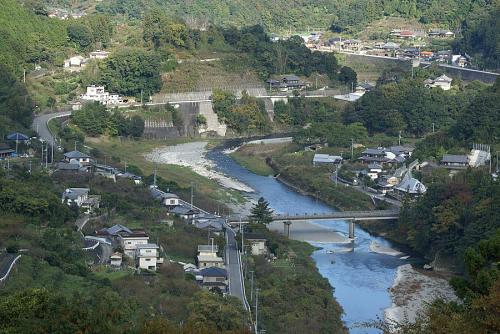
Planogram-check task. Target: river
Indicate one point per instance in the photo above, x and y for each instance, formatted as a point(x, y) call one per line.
point(360, 278)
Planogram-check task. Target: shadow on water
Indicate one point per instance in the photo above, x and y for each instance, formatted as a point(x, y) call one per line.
point(360, 277)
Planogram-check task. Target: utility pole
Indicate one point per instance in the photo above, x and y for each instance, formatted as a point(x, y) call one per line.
point(399, 138)
point(242, 237)
point(192, 195)
point(154, 177)
point(52, 153)
point(432, 127)
point(46, 155)
point(352, 148)
point(75, 145)
point(257, 310)
point(30, 167)
point(41, 155)
point(251, 285)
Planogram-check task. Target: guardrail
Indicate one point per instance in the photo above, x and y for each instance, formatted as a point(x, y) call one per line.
point(10, 268)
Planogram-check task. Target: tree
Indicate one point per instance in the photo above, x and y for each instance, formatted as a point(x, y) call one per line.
point(261, 213)
point(136, 126)
point(80, 34)
point(347, 75)
point(132, 72)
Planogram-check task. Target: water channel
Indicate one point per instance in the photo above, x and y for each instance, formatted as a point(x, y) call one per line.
point(360, 278)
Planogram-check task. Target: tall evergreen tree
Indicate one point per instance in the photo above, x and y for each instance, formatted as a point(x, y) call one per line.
point(261, 213)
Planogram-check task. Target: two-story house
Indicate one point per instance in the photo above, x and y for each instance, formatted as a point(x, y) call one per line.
point(257, 243)
point(130, 240)
point(77, 157)
point(207, 257)
point(147, 256)
point(81, 197)
point(214, 278)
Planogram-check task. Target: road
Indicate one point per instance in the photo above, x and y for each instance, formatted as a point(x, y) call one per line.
point(40, 124)
point(233, 267)
point(7, 261)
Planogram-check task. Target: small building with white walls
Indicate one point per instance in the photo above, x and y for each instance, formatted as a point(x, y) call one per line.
point(130, 241)
point(99, 54)
point(147, 256)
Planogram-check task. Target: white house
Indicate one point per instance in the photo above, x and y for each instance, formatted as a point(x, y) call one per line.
point(75, 195)
point(374, 170)
point(326, 159)
point(146, 256)
point(257, 243)
point(116, 259)
point(99, 54)
point(75, 62)
point(170, 199)
point(442, 82)
point(410, 186)
point(209, 259)
point(77, 157)
point(81, 197)
point(99, 94)
point(130, 241)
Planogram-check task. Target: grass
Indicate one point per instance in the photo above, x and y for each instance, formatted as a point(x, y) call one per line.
point(255, 164)
point(253, 156)
point(208, 193)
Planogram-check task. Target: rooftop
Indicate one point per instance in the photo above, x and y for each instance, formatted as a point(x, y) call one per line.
point(208, 248)
point(75, 155)
point(74, 193)
point(452, 158)
point(213, 272)
point(147, 246)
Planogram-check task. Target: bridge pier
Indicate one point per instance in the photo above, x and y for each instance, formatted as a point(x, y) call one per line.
point(351, 229)
point(286, 228)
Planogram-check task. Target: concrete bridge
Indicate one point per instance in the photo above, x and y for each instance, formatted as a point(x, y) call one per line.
point(350, 216)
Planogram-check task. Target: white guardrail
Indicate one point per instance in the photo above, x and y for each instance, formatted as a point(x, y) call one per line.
point(10, 268)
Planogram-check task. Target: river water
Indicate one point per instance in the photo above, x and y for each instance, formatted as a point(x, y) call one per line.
point(360, 278)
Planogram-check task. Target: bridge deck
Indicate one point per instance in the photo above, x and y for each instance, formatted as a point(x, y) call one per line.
point(341, 215)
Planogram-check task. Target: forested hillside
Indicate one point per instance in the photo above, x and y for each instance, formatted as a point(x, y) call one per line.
point(284, 15)
point(28, 38)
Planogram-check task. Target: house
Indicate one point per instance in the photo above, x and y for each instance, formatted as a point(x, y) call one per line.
point(374, 170)
point(137, 179)
point(380, 155)
point(114, 230)
point(212, 225)
point(212, 278)
point(106, 171)
point(364, 87)
point(410, 186)
point(459, 60)
point(147, 256)
point(75, 62)
point(404, 150)
point(443, 33)
point(286, 82)
point(72, 167)
point(390, 46)
point(130, 240)
point(6, 151)
point(77, 157)
point(170, 199)
point(99, 54)
point(257, 243)
point(208, 258)
point(351, 45)
point(405, 34)
point(81, 197)
point(426, 55)
point(116, 259)
point(208, 249)
point(442, 82)
point(326, 159)
point(452, 161)
point(99, 94)
point(184, 212)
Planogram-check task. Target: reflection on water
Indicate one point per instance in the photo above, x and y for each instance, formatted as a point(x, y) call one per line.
point(360, 278)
